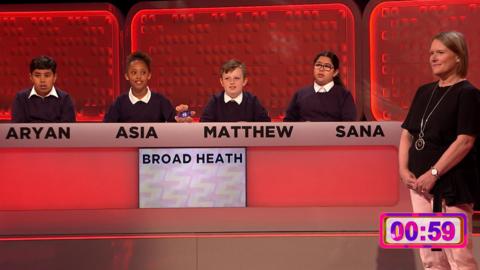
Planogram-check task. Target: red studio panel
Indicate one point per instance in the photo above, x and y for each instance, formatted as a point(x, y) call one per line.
point(277, 43)
point(349, 176)
point(81, 178)
point(85, 44)
point(400, 37)
point(74, 178)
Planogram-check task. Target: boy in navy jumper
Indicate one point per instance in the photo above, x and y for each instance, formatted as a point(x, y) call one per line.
point(43, 103)
point(326, 99)
point(233, 104)
point(140, 104)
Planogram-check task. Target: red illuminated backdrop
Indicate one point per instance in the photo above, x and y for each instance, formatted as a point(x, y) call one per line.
point(277, 43)
point(400, 34)
point(83, 39)
point(188, 45)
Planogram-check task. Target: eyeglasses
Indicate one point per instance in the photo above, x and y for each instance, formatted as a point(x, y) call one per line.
point(326, 67)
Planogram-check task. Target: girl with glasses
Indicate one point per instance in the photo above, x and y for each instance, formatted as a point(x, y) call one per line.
point(326, 99)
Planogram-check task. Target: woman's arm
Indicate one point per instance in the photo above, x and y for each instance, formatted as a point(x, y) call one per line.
point(451, 157)
point(407, 177)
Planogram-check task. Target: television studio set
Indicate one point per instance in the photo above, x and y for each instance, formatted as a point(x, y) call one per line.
point(240, 135)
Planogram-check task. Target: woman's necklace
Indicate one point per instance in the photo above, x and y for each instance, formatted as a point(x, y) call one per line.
point(420, 142)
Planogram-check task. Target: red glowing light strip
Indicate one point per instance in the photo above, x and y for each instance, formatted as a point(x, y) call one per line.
point(57, 13)
point(373, 79)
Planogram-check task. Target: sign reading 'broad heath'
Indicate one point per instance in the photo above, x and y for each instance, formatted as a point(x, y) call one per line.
point(192, 177)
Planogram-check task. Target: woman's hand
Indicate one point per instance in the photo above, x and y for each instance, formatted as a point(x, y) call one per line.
point(408, 178)
point(426, 182)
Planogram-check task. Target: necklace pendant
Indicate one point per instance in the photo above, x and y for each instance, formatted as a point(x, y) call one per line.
point(419, 144)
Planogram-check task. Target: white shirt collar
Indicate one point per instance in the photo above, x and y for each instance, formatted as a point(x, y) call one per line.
point(52, 92)
point(134, 99)
point(323, 89)
point(238, 99)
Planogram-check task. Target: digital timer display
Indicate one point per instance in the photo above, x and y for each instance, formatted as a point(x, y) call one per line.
point(423, 230)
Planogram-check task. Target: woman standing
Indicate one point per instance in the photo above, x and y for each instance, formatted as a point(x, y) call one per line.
point(436, 159)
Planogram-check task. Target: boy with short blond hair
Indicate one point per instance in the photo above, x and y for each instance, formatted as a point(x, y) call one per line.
point(234, 104)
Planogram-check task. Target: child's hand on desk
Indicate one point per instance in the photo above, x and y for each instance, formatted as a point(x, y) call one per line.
point(183, 114)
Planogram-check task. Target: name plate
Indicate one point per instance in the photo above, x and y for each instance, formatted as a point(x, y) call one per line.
point(192, 177)
point(199, 134)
